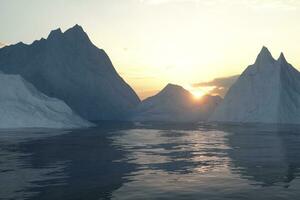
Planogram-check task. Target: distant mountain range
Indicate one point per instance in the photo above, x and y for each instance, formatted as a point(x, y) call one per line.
point(49, 82)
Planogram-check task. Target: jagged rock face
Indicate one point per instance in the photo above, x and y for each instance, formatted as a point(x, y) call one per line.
point(21, 105)
point(69, 67)
point(175, 104)
point(267, 92)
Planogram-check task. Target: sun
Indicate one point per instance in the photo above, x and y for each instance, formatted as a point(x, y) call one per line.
point(198, 94)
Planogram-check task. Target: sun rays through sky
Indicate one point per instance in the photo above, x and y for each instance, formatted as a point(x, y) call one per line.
point(155, 42)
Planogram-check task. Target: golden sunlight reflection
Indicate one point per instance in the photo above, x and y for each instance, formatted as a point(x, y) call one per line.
point(195, 155)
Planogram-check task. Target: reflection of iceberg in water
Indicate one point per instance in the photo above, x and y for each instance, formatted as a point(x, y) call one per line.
point(152, 162)
point(15, 174)
point(80, 164)
point(204, 163)
point(267, 154)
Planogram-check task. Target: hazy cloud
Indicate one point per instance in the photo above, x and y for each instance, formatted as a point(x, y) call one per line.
point(221, 85)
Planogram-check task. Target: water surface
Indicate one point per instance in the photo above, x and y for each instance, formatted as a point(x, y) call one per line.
point(151, 161)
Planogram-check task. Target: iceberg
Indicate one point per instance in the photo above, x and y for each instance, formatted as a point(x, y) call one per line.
point(267, 92)
point(68, 66)
point(175, 104)
point(23, 106)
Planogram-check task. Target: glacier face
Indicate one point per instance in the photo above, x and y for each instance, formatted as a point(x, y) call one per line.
point(69, 67)
point(267, 92)
point(23, 106)
point(175, 104)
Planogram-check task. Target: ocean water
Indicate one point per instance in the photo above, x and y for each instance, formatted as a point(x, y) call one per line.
point(151, 161)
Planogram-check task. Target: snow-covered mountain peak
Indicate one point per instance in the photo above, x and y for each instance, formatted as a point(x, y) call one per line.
point(282, 59)
point(174, 90)
point(55, 34)
point(264, 56)
point(171, 86)
point(266, 92)
point(76, 29)
point(76, 32)
point(69, 67)
point(265, 51)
